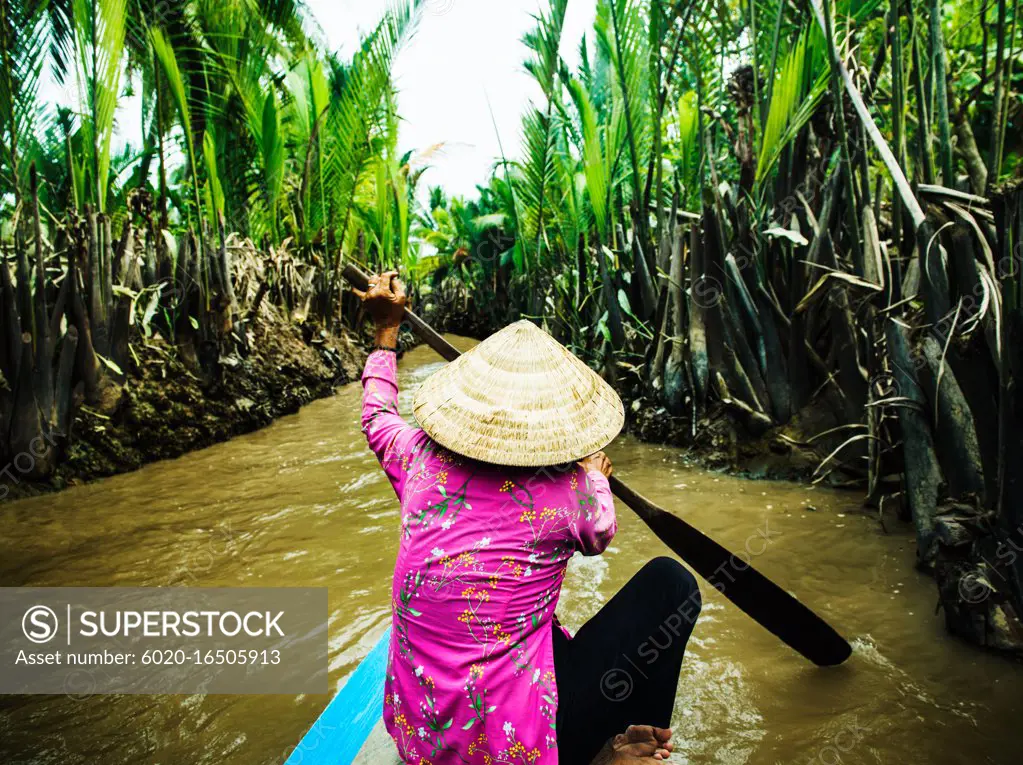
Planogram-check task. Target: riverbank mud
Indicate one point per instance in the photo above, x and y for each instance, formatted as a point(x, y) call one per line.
point(722, 440)
point(168, 405)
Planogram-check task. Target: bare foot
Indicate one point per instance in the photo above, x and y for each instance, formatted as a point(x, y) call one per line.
point(639, 743)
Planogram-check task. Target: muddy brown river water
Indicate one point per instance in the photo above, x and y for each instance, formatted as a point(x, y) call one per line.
point(303, 503)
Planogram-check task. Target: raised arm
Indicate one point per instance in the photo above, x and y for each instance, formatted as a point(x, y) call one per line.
point(389, 436)
point(596, 523)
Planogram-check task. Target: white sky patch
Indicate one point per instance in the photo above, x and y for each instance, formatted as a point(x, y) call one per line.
point(464, 52)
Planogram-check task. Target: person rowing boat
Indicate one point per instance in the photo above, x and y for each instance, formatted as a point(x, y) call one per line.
point(500, 485)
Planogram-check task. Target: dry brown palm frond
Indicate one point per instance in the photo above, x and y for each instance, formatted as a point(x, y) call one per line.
point(818, 289)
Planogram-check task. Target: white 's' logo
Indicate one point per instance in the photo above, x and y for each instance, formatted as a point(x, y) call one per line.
point(39, 624)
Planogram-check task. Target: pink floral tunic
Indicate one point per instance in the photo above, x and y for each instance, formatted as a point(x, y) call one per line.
point(481, 558)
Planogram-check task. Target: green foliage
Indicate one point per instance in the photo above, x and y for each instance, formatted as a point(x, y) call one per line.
point(621, 35)
point(689, 150)
point(99, 39)
point(271, 147)
point(214, 189)
point(540, 191)
point(282, 139)
point(248, 123)
point(172, 73)
point(23, 45)
point(801, 84)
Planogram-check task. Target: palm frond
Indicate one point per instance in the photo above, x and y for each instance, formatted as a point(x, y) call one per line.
point(358, 92)
point(100, 31)
point(689, 146)
point(543, 41)
point(168, 61)
point(538, 137)
point(213, 185)
point(795, 95)
point(621, 33)
point(23, 44)
point(594, 166)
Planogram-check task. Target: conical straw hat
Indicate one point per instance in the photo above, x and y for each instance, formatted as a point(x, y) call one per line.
point(519, 398)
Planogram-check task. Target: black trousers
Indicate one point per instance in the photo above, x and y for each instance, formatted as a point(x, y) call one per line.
point(622, 667)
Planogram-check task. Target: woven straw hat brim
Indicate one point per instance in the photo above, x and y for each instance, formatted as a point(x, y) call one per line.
point(521, 399)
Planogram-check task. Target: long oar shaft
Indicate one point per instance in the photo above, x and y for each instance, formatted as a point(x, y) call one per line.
point(732, 575)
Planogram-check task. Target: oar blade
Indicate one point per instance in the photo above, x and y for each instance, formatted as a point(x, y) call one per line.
point(731, 575)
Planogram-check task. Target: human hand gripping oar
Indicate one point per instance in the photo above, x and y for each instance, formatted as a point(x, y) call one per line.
point(731, 575)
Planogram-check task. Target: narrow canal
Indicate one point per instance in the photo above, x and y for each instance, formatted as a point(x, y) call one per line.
point(303, 503)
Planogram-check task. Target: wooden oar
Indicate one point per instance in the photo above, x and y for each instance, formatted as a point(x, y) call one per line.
point(731, 575)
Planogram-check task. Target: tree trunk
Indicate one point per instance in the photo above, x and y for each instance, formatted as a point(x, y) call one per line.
point(28, 443)
point(954, 429)
point(89, 370)
point(700, 359)
point(966, 143)
point(10, 334)
point(614, 314)
point(63, 392)
point(94, 286)
point(41, 324)
point(775, 369)
point(923, 475)
point(644, 293)
point(674, 379)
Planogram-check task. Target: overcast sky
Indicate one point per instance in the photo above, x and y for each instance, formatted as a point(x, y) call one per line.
point(464, 52)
